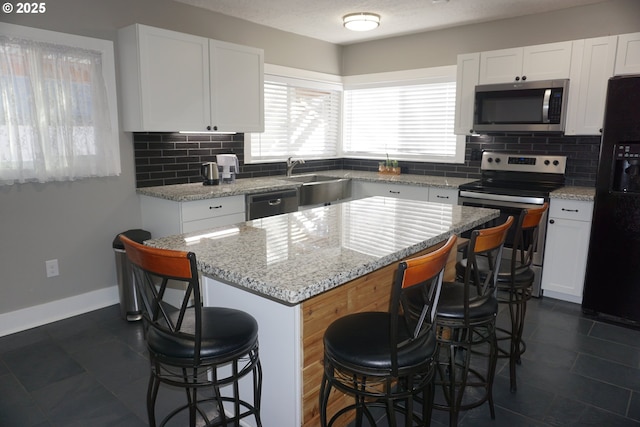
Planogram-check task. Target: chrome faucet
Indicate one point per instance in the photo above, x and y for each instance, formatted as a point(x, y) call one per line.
point(292, 164)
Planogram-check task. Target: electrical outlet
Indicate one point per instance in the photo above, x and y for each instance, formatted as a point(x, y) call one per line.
point(52, 267)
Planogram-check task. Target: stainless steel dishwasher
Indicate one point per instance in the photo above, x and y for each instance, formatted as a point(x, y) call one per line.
point(273, 203)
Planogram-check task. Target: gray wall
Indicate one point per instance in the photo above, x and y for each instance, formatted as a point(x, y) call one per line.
point(438, 48)
point(75, 222)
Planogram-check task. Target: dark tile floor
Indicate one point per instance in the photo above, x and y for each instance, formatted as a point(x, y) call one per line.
point(91, 370)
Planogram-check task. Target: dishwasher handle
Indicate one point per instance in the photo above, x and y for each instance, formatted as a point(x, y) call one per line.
point(275, 202)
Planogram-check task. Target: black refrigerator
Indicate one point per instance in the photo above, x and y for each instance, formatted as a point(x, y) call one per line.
point(612, 283)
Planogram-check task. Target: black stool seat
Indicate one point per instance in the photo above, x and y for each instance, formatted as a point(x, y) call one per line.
point(452, 304)
point(226, 334)
point(523, 277)
point(362, 340)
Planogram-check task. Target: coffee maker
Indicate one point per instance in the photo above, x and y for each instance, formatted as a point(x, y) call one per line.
point(228, 167)
point(209, 172)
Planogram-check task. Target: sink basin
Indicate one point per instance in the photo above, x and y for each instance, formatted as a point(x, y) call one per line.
point(319, 189)
point(311, 178)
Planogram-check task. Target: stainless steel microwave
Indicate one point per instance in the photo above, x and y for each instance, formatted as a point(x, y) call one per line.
point(521, 106)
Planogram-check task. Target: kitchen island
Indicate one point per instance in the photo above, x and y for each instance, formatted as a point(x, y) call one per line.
point(297, 272)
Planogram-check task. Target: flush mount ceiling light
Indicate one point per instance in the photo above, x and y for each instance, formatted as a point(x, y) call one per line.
point(361, 21)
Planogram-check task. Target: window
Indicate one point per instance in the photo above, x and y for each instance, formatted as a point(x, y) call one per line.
point(406, 115)
point(57, 107)
point(301, 120)
point(404, 120)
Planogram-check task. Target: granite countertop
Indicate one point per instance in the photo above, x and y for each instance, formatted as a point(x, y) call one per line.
point(197, 191)
point(586, 194)
point(295, 256)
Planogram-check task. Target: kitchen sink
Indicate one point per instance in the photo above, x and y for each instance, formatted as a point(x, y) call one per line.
point(319, 189)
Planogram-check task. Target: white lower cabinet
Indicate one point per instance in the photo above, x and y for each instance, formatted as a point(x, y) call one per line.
point(566, 248)
point(362, 189)
point(163, 217)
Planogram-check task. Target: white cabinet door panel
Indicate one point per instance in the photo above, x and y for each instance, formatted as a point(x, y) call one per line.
point(592, 66)
point(628, 56)
point(237, 87)
point(566, 248)
point(466, 81)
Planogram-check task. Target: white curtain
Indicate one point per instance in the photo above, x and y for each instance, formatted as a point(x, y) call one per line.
point(54, 114)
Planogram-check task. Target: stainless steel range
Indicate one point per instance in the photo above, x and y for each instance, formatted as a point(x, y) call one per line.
point(512, 182)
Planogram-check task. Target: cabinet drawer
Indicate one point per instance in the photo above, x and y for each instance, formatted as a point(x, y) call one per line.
point(212, 208)
point(400, 191)
point(218, 221)
point(443, 195)
point(576, 210)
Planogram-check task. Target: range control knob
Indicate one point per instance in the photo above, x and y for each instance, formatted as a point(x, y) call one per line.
point(497, 159)
point(547, 162)
point(490, 159)
point(556, 163)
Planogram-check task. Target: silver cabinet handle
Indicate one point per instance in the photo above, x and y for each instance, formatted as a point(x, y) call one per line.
point(570, 210)
point(441, 197)
point(215, 207)
point(394, 192)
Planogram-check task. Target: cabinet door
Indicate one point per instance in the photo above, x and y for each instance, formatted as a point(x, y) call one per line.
point(539, 62)
point(500, 66)
point(466, 81)
point(174, 79)
point(237, 87)
point(566, 248)
point(628, 56)
point(591, 67)
point(546, 61)
point(565, 259)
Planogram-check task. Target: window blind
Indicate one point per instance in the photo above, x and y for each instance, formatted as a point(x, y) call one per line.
point(300, 121)
point(407, 122)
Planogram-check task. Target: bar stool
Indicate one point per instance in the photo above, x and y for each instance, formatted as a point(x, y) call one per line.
point(191, 346)
point(465, 321)
point(385, 359)
point(515, 283)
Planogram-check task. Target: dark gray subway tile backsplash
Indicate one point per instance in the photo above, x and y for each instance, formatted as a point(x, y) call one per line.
point(175, 158)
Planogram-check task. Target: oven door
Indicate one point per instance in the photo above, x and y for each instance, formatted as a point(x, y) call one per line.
point(514, 209)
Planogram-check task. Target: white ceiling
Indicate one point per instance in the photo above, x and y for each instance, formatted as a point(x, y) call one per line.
point(322, 19)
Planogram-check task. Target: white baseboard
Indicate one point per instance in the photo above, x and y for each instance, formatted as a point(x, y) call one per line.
point(31, 317)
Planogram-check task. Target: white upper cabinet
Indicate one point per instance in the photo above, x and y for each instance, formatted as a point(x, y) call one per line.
point(237, 82)
point(466, 81)
point(591, 67)
point(173, 81)
point(628, 56)
point(540, 62)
